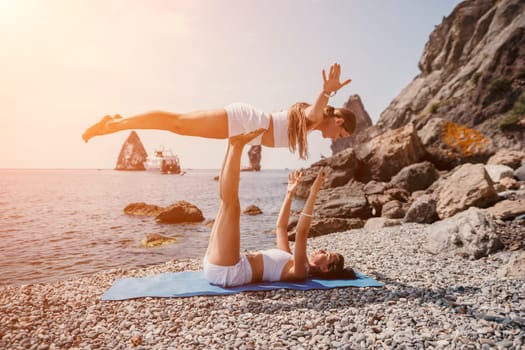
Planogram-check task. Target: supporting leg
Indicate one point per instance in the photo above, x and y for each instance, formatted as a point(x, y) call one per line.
point(225, 238)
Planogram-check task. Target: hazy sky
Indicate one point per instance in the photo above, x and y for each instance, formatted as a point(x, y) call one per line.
point(66, 63)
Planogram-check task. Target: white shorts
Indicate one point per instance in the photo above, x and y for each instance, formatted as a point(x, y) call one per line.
point(228, 276)
point(244, 118)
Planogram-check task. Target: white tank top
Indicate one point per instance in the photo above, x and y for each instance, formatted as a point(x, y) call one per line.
point(274, 261)
point(280, 128)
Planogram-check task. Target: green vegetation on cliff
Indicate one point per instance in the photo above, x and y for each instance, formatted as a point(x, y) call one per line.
point(512, 119)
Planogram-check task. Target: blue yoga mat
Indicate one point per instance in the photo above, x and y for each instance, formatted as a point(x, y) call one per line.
point(192, 283)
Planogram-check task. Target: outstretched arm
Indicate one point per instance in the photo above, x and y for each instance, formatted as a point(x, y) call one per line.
point(284, 214)
point(303, 226)
point(331, 85)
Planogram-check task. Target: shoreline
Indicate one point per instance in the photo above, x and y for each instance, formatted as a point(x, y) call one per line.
point(428, 301)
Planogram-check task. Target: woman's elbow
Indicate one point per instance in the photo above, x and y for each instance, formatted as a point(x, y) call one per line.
point(302, 231)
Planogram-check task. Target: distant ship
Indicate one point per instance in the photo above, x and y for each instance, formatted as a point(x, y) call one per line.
point(163, 161)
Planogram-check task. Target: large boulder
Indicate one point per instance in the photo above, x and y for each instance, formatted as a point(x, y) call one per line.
point(520, 172)
point(347, 201)
point(375, 195)
point(386, 200)
point(388, 153)
point(345, 160)
point(467, 186)
point(511, 158)
point(497, 172)
point(343, 167)
point(399, 194)
point(309, 175)
point(422, 210)
point(323, 226)
point(508, 209)
point(448, 144)
point(393, 209)
point(416, 177)
point(180, 212)
point(469, 234)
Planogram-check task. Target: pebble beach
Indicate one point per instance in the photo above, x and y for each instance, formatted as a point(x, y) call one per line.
point(428, 302)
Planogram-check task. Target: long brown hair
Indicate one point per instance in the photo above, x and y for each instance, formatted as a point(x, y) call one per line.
point(336, 270)
point(298, 125)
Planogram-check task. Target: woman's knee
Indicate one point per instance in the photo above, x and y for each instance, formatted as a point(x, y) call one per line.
point(231, 206)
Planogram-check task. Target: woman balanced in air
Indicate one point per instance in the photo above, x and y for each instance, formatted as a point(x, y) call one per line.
point(224, 264)
point(287, 128)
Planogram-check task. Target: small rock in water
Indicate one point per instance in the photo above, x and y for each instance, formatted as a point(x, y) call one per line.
point(157, 240)
point(252, 210)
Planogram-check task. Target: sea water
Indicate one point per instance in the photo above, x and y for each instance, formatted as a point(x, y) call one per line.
point(57, 224)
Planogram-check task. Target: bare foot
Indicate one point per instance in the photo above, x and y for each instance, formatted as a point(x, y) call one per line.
point(100, 128)
point(242, 139)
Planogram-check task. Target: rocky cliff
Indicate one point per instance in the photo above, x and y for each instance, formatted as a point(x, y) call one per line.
point(449, 150)
point(132, 154)
point(472, 73)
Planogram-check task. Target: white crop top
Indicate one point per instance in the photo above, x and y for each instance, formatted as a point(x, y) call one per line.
point(274, 261)
point(280, 128)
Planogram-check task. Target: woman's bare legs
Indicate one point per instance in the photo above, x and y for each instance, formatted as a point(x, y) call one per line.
point(225, 240)
point(208, 123)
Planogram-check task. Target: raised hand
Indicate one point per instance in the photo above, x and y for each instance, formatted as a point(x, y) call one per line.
point(319, 180)
point(333, 83)
point(293, 181)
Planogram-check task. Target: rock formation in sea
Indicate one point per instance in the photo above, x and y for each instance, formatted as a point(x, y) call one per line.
point(132, 154)
point(254, 154)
